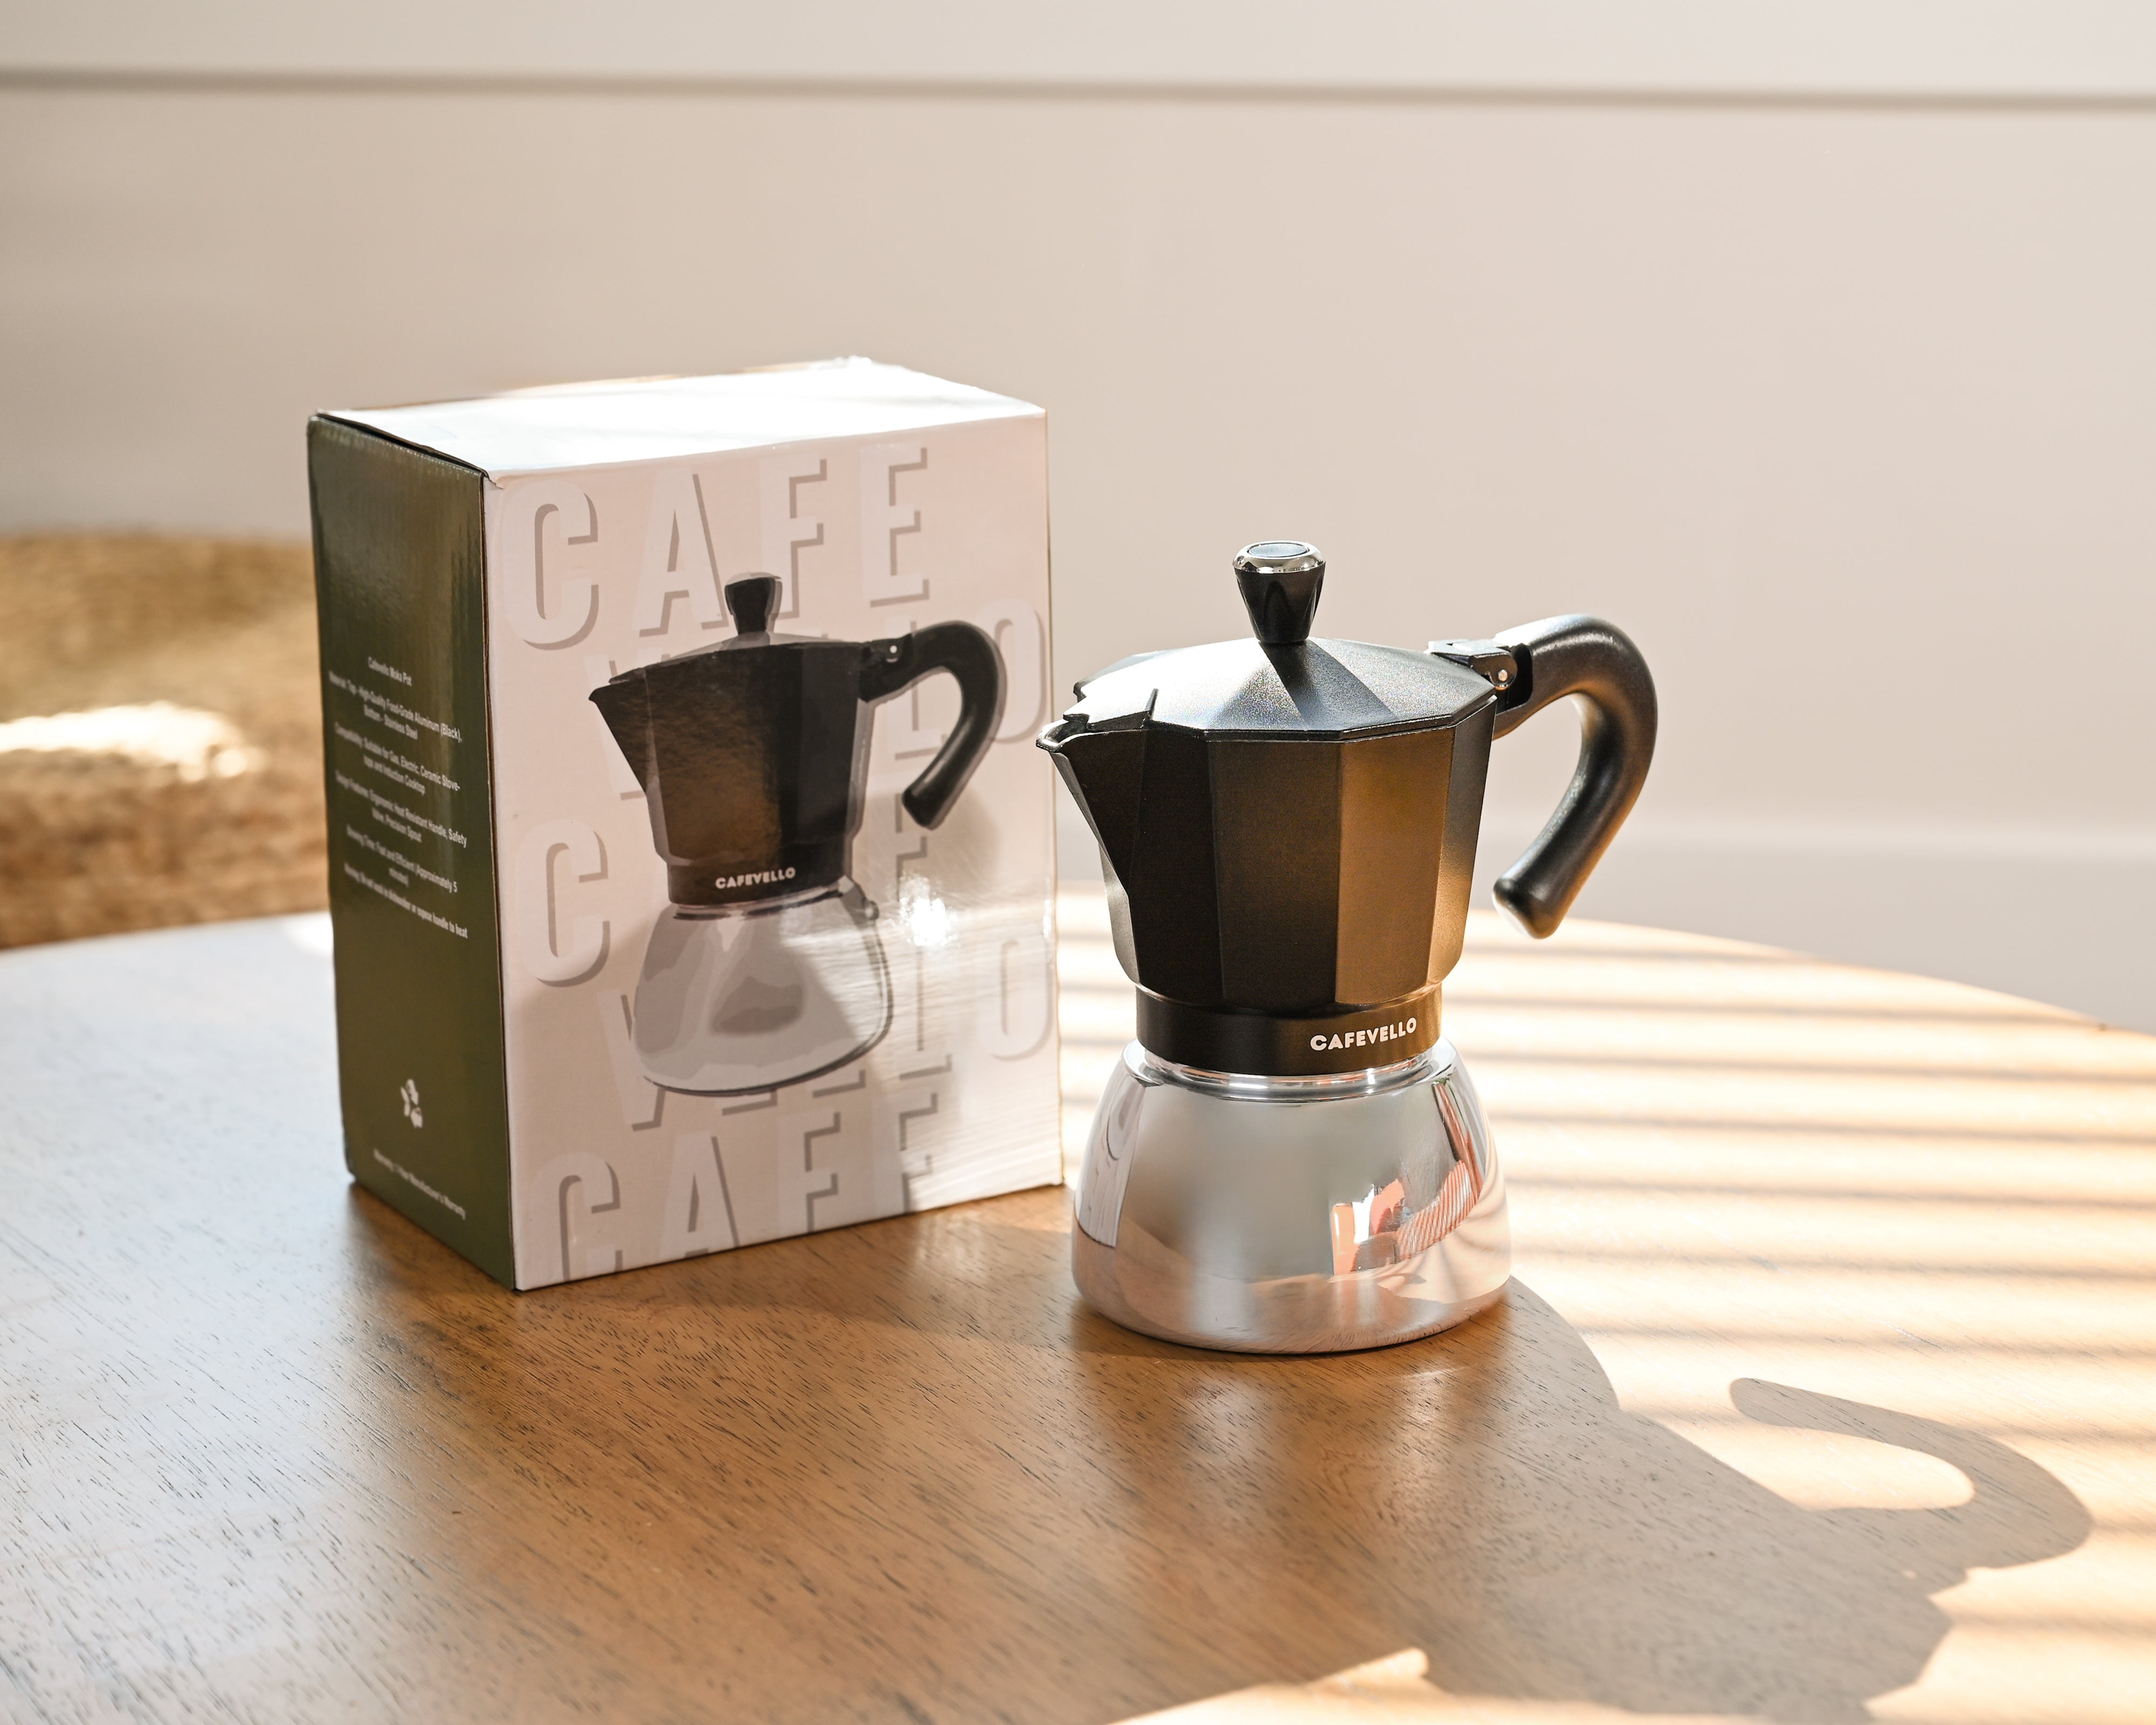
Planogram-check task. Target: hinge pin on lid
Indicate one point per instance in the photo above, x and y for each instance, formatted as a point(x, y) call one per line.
point(1497, 664)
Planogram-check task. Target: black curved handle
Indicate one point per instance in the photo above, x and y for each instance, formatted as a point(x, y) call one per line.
point(890, 667)
point(1596, 663)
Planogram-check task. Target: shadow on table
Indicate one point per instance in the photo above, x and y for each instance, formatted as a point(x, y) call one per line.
point(1482, 1496)
point(1202, 1522)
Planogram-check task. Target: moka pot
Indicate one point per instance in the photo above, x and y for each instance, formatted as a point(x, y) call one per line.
point(1290, 1157)
point(765, 967)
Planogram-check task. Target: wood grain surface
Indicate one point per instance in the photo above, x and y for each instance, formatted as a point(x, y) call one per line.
point(1825, 1391)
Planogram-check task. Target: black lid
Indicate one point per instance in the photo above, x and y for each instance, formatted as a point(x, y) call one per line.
point(1282, 683)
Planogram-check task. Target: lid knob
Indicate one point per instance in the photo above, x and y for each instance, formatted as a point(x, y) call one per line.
point(752, 599)
point(1280, 580)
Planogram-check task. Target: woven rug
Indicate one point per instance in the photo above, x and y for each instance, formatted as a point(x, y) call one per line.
point(160, 734)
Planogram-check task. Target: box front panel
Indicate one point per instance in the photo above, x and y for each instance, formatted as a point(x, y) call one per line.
point(791, 1052)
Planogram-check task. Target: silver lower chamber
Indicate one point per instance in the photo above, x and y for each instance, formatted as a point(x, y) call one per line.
point(1291, 1215)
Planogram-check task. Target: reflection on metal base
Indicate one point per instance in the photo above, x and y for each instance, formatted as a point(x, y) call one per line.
point(1302, 1216)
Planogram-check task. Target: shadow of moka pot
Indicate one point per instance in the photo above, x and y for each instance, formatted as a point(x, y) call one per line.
point(1289, 1157)
point(765, 967)
point(1483, 1497)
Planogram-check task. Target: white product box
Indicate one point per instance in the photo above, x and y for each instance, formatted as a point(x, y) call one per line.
point(691, 865)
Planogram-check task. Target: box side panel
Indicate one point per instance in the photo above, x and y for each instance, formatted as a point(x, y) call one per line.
point(400, 577)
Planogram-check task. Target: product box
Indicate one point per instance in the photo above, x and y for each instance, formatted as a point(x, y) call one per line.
point(690, 862)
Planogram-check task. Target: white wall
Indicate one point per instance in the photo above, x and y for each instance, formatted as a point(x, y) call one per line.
point(1847, 408)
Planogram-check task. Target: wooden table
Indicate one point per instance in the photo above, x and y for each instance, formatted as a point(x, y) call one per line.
point(1827, 1383)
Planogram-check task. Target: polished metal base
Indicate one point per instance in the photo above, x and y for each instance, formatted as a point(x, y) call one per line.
point(1299, 1215)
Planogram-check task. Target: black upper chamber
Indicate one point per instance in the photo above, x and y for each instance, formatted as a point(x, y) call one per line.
point(1288, 824)
point(753, 753)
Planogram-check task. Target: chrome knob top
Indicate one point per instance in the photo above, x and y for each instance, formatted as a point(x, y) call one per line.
point(1280, 580)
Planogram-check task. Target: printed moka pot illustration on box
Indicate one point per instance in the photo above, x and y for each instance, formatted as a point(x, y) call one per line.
point(765, 967)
